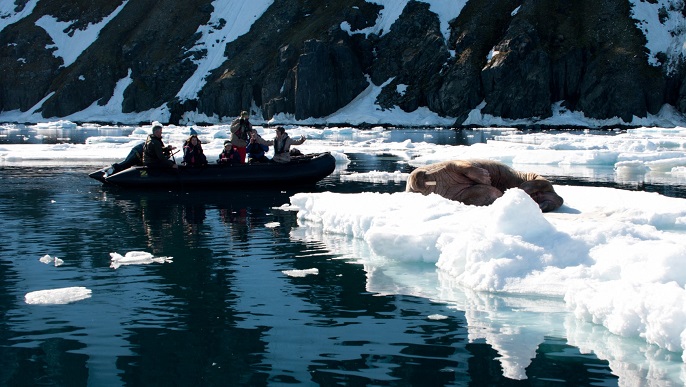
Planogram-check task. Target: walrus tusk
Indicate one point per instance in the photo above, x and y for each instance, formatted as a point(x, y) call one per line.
point(429, 183)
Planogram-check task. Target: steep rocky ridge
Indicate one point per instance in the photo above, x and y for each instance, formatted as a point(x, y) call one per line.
point(519, 57)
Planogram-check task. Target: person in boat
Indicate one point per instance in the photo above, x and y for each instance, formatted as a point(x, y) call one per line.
point(240, 134)
point(134, 158)
point(256, 149)
point(193, 155)
point(155, 154)
point(229, 156)
point(282, 145)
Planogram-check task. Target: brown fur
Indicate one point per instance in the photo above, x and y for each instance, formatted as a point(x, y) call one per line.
point(480, 183)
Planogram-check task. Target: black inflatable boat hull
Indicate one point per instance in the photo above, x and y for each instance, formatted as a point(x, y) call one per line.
point(307, 169)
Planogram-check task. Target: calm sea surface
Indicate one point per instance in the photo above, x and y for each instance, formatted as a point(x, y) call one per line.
point(223, 312)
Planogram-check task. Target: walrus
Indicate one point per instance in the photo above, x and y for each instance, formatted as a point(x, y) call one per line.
point(480, 183)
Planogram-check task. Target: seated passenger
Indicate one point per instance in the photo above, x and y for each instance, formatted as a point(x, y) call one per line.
point(155, 154)
point(229, 156)
point(193, 155)
point(282, 145)
point(256, 149)
point(134, 158)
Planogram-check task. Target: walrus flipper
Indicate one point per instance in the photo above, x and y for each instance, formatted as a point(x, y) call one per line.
point(476, 175)
point(478, 195)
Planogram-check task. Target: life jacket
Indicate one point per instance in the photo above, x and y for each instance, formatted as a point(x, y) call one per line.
point(280, 146)
point(149, 154)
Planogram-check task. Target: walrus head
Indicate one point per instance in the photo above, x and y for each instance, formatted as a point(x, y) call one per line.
point(420, 181)
point(543, 193)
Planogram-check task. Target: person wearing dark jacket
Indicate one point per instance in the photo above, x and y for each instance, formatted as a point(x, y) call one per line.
point(193, 155)
point(134, 158)
point(155, 154)
point(229, 155)
point(256, 149)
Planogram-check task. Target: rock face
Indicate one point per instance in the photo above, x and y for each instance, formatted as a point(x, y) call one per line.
point(309, 58)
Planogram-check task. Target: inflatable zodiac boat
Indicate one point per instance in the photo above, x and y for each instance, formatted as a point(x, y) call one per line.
point(301, 170)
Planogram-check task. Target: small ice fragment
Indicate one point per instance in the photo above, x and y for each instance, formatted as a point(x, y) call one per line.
point(301, 273)
point(272, 224)
point(437, 317)
point(57, 296)
point(136, 258)
point(48, 259)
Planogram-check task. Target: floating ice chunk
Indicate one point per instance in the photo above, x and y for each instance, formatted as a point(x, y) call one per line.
point(301, 273)
point(272, 225)
point(377, 177)
point(61, 124)
point(631, 165)
point(666, 165)
point(136, 258)
point(57, 296)
point(47, 259)
point(436, 317)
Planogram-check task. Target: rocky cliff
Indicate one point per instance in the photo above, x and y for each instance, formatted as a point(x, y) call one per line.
point(308, 58)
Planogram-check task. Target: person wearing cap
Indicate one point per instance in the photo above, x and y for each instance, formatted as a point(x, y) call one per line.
point(193, 155)
point(240, 133)
point(229, 155)
point(155, 154)
point(282, 145)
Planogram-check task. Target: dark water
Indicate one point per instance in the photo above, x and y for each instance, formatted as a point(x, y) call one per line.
point(222, 313)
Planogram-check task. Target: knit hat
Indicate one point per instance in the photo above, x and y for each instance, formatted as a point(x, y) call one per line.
point(155, 125)
point(227, 142)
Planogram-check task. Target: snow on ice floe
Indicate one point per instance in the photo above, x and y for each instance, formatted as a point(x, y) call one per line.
point(136, 258)
point(301, 273)
point(47, 259)
point(57, 296)
point(607, 256)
